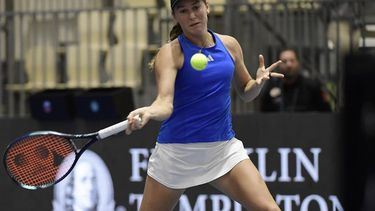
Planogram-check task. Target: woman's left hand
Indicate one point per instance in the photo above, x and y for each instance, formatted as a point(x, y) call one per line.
point(264, 74)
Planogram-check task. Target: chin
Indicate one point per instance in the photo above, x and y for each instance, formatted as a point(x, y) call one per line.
point(199, 33)
point(199, 29)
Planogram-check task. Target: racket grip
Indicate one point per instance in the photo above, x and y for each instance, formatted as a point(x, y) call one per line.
point(117, 128)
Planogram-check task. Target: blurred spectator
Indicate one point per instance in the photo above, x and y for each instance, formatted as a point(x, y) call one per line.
point(295, 92)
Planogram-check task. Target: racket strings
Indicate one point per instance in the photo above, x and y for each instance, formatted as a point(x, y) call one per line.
point(39, 160)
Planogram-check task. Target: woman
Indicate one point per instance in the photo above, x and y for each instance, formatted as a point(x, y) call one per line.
point(196, 143)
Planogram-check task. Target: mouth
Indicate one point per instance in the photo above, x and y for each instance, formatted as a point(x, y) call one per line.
point(194, 24)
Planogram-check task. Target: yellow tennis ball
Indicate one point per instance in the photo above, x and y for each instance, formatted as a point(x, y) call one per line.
point(199, 61)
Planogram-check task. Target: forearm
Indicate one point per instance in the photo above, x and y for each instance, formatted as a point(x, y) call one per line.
point(252, 90)
point(160, 109)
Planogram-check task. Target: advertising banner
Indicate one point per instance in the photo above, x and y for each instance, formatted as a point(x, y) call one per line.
point(298, 155)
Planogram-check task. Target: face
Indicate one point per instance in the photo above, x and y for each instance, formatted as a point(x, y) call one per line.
point(192, 16)
point(84, 193)
point(290, 65)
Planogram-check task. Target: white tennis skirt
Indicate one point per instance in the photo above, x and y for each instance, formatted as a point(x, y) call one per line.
point(180, 166)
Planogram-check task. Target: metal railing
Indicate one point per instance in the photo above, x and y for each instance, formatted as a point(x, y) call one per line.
point(66, 44)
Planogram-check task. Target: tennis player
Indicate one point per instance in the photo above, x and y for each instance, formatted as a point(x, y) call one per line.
point(196, 143)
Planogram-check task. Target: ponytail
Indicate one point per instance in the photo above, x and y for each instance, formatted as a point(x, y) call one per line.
point(173, 34)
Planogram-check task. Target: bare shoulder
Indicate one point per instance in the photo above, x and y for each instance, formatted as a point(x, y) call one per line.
point(170, 48)
point(231, 44)
point(171, 53)
point(172, 45)
point(229, 41)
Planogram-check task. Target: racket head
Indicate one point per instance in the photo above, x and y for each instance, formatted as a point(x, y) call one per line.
point(40, 159)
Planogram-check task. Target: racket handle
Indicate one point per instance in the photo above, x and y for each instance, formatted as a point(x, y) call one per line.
point(117, 128)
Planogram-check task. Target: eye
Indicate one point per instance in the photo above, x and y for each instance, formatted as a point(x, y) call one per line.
point(195, 8)
point(182, 11)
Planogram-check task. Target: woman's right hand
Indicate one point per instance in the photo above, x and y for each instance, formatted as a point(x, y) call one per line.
point(137, 119)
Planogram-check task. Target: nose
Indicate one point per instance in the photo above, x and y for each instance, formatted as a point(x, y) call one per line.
point(192, 15)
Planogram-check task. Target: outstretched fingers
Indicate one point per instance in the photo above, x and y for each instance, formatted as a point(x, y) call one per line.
point(276, 75)
point(261, 61)
point(272, 67)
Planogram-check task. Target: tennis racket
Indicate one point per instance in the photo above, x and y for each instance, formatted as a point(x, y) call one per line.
point(43, 158)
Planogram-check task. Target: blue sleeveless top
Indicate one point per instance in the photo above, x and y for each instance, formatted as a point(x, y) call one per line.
point(201, 106)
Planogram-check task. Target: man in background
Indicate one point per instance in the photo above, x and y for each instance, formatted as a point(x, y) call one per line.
point(295, 92)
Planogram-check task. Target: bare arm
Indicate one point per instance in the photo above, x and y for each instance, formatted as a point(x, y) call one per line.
point(167, 62)
point(247, 87)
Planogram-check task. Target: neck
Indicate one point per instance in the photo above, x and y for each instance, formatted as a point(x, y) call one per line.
point(204, 41)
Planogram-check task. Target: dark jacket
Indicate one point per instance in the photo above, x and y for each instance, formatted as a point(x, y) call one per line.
point(303, 95)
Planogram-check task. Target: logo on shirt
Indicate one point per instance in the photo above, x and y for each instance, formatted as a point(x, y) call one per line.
point(210, 58)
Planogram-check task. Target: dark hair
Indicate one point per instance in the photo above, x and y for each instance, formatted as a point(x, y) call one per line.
point(173, 3)
point(173, 34)
point(294, 50)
